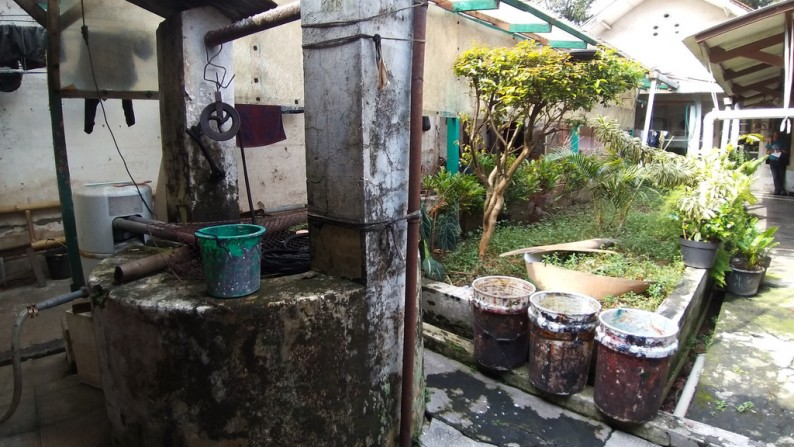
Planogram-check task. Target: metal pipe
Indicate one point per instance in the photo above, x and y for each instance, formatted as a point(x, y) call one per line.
point(22, 207)
point(151, 264)
point(689, 388)
point(412, 252)
point(709, 118)
point(170, 234)
point(250, 25)
point(59, 146)
point(31, 311)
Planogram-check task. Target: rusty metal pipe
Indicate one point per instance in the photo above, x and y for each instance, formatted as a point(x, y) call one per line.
point(250, 25)
point(153, 230)
point(412, 261)
point(150, 265)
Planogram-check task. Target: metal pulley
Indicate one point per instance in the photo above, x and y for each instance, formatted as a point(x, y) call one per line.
point(217, 116)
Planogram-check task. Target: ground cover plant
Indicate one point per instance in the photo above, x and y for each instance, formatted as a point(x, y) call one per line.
point(648, 249)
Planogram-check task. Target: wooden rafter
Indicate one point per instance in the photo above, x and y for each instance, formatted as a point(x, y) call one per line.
point(730, 75)
point(760, 87)
point(33, 10)
point(747, 50)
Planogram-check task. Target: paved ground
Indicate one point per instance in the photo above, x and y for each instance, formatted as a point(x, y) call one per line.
point(751, 360)
point(748, 382)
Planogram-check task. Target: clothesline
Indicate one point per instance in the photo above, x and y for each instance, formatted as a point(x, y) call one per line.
point(4, 70)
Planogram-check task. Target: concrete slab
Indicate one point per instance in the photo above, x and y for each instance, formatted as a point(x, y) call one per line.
point(84, 429)
point(623, 439)
point(748, 382)
point(439, 434)
point(27, 439)
point(487, 411)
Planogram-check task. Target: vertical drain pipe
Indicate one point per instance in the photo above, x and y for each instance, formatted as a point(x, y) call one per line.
point(412, 252)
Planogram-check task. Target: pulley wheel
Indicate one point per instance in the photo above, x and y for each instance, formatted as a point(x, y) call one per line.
point(215, 116)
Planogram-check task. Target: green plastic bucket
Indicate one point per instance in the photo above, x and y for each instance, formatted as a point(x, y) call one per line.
point(231, 258)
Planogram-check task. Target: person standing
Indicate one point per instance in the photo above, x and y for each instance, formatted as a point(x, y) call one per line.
point(778, 161)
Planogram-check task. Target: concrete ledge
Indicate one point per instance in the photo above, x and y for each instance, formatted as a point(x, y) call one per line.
point(664, 429)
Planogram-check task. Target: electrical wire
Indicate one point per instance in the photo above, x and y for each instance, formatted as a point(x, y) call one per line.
point(84, 32)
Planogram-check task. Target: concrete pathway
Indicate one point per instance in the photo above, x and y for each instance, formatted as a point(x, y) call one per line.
point(748, 382)
point(469, 409)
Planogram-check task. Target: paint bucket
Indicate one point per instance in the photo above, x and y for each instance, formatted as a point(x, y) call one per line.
point(501, 322)
point(633, 359)
point(561, 342)
point(230, 258)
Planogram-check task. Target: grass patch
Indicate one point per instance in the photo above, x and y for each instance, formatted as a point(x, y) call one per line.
point(647, 247)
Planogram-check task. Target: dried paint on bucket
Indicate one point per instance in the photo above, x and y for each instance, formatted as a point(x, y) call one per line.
point(561, 341)
point(501, 323)
point(231, 259)
point(634, 352)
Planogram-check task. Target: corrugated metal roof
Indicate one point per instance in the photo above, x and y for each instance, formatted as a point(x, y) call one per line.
point(745, 54)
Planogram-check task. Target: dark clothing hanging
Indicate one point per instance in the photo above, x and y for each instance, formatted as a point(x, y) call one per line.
point(90, 113)
point(260, 125)
point(21, 48)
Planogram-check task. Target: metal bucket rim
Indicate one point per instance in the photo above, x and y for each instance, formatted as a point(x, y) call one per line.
point(256, 231)
point(670, 329)
point(539, 294)
point(520, 281)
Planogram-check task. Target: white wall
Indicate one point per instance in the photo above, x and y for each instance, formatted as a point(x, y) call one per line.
point(671, 21)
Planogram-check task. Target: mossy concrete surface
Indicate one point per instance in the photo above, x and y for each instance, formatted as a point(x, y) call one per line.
point(748, 381)
point(297, 363)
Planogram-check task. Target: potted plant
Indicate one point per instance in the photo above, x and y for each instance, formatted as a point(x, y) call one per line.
point(750, 259)
point(710, 207)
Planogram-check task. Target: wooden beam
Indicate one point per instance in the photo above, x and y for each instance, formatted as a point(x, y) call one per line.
point(760, 87)
point(569, 44)
point(730, 75)
point(34, 10)
point(718, 55)
point(474, 5)
point(721, 55)
point(109, 94)
point(530, 27)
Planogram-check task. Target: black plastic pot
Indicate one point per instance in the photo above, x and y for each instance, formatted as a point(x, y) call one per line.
point(58, 263)
point(699, 254)
point(744, 282)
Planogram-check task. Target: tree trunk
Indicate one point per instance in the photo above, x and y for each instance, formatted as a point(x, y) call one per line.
point(493, 207)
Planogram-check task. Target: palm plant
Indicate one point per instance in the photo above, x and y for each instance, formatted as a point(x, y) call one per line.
point(623, 171)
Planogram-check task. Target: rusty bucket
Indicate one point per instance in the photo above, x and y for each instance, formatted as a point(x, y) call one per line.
point(561, 340)
point(634, 352)
point(501, 322)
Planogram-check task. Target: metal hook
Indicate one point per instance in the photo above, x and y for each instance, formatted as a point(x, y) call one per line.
point(219, 83)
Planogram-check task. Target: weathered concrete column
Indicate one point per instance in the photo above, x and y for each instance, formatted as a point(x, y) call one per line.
point(357, 136)
point(181, 57)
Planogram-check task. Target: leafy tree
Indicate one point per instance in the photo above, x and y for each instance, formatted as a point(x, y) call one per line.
point(575, 11)
point(522, 94)
point(756, 4)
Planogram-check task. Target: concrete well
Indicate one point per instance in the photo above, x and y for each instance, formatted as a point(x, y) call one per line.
point(297, 363)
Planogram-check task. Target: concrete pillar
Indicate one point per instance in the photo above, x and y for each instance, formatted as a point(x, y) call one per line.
point(357, 137)
point(181, 57)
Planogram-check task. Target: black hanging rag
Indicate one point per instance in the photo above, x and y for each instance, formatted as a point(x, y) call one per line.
point(21, 47)
point(260, 125)
point(90, 113)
